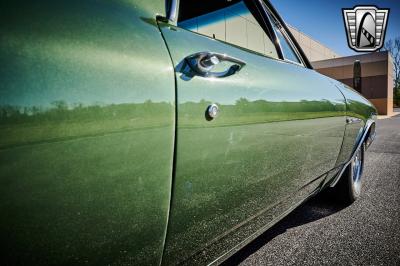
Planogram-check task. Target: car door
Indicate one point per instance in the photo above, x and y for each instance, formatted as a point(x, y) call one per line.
point(256, 129)
point(86, 133)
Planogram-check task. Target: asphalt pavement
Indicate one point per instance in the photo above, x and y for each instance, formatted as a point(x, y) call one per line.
point(321, 231)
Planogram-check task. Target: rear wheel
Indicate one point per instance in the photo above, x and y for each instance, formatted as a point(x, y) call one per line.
point(348, 189)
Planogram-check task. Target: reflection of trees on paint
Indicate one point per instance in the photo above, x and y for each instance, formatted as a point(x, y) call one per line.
point(301, 106)
point(23, 124)
point(359, 109)
point(61, 121)
point(62, 111)
point(243, 106)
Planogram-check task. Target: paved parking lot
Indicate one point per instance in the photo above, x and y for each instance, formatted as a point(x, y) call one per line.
point(324, 232)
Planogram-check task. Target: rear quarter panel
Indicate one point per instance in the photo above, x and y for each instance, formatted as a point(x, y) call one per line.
point(359, 110)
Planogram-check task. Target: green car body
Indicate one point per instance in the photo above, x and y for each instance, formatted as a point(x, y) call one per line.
point(106, 156)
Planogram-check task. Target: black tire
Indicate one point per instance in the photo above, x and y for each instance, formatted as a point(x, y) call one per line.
point(348, 189)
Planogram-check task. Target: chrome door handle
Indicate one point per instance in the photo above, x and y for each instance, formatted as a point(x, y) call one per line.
point(204, 62)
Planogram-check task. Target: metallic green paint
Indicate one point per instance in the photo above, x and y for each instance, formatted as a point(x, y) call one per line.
point(358, 109)
point(87, 120)
point(278, 133)
point(87, 99)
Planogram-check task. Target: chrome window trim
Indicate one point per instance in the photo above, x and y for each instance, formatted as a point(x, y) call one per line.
point(286, 36)
point(259, 6)
point(173, 10)
point(269, 8)
point(282, 29)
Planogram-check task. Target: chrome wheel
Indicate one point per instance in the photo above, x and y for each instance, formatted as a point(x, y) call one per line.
point(356, 171)
point(348, 189)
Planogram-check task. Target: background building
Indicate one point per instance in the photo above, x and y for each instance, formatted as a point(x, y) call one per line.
point(376, 70)
point(376, 76)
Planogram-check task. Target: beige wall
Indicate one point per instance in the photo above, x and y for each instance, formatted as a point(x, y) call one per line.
point(315, 51)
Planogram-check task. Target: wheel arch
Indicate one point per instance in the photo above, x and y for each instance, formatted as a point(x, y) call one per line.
point(367, 137)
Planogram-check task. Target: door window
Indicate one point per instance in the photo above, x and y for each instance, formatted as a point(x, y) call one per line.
point(228, 21)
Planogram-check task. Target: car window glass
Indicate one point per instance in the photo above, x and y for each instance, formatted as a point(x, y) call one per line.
point(287, 50)
point(229, 21)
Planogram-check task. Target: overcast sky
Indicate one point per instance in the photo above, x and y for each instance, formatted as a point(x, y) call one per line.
point(323, 20)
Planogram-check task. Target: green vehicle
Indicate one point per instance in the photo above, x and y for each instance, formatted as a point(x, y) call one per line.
point(138, 132)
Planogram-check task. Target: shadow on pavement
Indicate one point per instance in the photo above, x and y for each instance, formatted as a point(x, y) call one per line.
point(316, 208)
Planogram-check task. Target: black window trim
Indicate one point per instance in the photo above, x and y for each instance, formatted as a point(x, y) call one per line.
point(270, 30)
